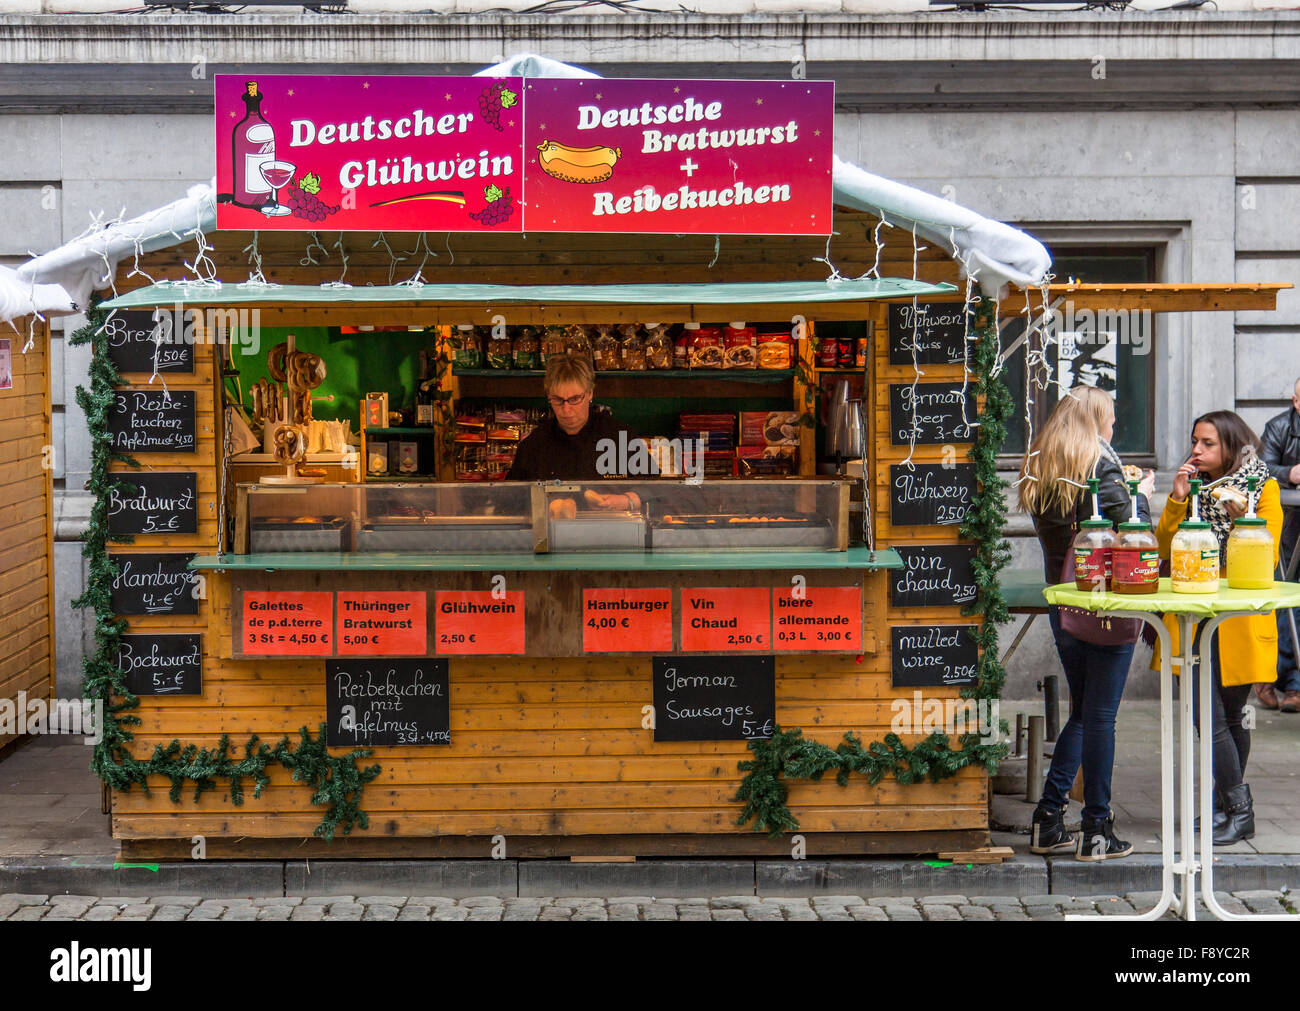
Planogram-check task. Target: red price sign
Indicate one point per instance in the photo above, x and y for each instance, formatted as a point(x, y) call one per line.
point(383, 624)
point(288, 624)
point(822, 617)
point(475, 621)
point(726, 619)
point(627, 621)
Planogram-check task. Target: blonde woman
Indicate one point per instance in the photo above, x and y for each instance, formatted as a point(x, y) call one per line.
point(1073, 447)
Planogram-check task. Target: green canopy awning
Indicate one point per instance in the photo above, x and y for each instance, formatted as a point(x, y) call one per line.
point(168, 293)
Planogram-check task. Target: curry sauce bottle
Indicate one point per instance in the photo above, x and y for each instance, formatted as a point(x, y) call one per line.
point(1135, 558)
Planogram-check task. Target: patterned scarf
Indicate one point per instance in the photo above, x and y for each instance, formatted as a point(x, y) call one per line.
point(1108, 451)
point(1216, 514)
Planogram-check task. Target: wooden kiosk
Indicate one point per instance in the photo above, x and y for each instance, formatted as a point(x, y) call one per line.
point(26, 523)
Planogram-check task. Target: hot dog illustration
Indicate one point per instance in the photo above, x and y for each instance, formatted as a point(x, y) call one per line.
point(578, 164)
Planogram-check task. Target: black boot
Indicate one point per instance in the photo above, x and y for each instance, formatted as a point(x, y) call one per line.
point(1047, 833)
point(1099, 842)
point(1240, 812)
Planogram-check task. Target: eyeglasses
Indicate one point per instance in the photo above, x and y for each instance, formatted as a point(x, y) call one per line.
point(556, 402)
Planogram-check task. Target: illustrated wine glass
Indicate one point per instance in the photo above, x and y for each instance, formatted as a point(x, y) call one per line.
point(276, 174)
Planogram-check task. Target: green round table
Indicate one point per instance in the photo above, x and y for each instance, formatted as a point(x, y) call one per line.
point(1193, 610)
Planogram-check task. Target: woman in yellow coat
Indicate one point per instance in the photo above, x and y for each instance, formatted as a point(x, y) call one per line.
point(1223, 444)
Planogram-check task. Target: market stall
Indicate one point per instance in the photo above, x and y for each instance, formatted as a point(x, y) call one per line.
point(26, 529)
point(538, 722)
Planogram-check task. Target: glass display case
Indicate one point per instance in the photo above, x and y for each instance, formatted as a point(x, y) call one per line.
point(512, 517)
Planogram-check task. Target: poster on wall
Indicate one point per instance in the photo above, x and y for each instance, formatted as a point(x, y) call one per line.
point(6, 365)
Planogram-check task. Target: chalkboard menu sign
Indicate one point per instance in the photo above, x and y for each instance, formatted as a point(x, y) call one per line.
point(373, 701)
point(714, 698)
point(930, 494)
point(136, 341)
point(938, 412)
point(933, 655)
point(162, 664)
point(148, 421)
point(154, 503)
point(154, 584)
point(937, 329)
point(937, 575)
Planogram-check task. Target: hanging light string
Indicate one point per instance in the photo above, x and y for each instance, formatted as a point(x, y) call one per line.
point(969, 301)
point(881, 222)
point(203, 268)
point(916, 363)
point(417, 279)
point(343, 256)
point(835, 274)
point(449, 252)
point(717, 250)
point(309, 260)
point(393, 258)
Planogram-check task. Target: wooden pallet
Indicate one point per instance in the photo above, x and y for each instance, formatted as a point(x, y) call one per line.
point(983, 855)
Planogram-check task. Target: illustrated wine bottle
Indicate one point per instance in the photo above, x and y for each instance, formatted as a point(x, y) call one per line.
point(252, 144)
point(424, 393)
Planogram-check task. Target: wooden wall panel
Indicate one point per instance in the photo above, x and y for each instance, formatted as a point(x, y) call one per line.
point(26, 521)
point(544, 747)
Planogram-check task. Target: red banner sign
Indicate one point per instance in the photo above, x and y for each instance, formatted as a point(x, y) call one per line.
point(627, 621)
point(278, 623)
point(726, 619)
point(730, 157)
point(474, 621)
point(822, 617)
point(383, 624)
point(369, 152)
point(469, 154)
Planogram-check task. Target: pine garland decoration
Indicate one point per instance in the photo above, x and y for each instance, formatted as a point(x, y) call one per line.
point(786, 755)
point(336, 781)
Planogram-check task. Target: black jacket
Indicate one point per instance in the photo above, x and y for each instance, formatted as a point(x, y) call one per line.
point(1056, 530)
point(550, 454)
point(1281, 452)
point(1282, 446)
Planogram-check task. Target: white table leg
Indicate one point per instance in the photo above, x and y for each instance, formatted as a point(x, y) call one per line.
point(1187, 867)
point(1207, 780)
point(1167, 897)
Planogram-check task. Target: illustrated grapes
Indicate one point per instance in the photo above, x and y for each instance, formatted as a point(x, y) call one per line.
point(303, 199)
point(493, 100)
point(499, 207)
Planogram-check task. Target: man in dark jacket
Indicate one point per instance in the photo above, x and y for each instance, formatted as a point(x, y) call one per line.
point(1282, 455)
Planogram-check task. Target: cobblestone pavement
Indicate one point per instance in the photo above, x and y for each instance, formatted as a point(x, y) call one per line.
point(843, 908)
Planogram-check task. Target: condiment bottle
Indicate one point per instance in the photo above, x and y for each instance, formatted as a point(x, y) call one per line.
point(1092, 547)
point(1194, 553)
point(1250, 549)
point(1135, 558)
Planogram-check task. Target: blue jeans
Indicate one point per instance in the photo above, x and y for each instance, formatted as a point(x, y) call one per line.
point(1288, 677)
point(1096, 676)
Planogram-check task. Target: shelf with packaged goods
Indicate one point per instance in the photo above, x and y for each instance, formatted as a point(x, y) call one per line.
point(604, 561)
point(739, 375)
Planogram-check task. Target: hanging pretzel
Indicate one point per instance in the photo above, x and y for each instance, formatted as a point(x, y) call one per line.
point(290, 444)
point(275, 362)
